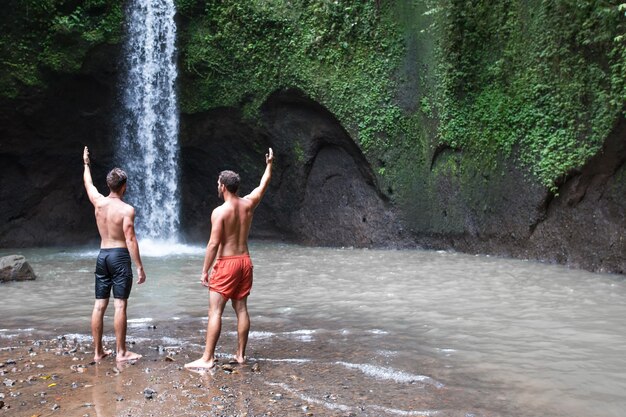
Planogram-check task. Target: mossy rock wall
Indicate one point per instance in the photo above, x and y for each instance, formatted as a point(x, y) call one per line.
point(484, 127)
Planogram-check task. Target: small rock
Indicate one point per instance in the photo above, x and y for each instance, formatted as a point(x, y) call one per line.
point(169, 359)
point(55, 407)
point(9, 382)
point(227, 368)
point(1, 404)
point(15, 268)
point(149, 393)
point(10, 362)
point(120, 398)
point(115, 370)
point(74, 385)
point(256, 367)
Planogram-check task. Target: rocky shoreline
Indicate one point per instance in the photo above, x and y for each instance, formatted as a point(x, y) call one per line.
point(58, 377)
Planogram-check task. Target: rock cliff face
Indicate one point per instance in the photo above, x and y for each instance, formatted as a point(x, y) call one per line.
point(42, 200)
point(324, 190)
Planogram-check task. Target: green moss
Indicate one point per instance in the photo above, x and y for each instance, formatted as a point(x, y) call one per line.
point(342, 55)
point(41, 35)
point(298, 152)
point(542, 81)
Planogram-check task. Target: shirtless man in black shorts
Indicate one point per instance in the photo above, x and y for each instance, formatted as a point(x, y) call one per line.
point(115, 220)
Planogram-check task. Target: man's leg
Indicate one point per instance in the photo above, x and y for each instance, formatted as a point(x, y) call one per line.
point(97, 323)
point(120, 332)
point(243, 327)
point(216, 308)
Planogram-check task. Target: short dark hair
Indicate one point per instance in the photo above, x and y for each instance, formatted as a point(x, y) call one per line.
point(230, 179)
point(116, 179)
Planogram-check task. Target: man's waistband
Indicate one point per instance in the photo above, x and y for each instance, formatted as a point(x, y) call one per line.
point(114, 250)
point(245, 255)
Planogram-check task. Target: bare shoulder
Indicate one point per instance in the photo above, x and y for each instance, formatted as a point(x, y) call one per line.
point(249, 200)
point(128, 210)
point(219, 211)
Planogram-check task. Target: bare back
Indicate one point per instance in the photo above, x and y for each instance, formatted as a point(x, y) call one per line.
point(233, 220)
point(111, 216)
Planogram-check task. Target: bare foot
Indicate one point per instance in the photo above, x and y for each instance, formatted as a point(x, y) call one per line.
point(240, 359)
point(127, 356)
point(104, 354)
point(201, 363)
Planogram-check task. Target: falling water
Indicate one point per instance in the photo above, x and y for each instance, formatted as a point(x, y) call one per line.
point(148, 142)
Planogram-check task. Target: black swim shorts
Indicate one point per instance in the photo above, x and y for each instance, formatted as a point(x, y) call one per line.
point(113, 270)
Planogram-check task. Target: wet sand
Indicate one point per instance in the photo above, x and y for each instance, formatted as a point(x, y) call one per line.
point(58, 377)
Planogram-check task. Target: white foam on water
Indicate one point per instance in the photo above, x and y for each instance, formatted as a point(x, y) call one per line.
point(329, 405)
point(347, 408)
point(171, 341)
point(301, 335)
point(80, 337)
point(140, 320)
point(403, 412)
point(82, 253)
point(29, 329)
point(255, 335)
point(286, 360)
point(303, 331)
point(133, 339)
point(87, 338)
point(377, 331)
point(389, 373)
point(12, 333)
point(160, 248)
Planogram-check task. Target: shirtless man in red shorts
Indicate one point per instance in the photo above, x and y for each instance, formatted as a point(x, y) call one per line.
point(231, 277)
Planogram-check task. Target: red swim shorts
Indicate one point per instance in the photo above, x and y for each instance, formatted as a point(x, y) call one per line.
point(232, 276)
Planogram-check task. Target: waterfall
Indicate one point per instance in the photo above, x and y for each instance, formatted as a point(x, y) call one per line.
point(148, 137)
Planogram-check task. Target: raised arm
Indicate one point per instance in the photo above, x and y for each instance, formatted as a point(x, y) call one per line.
point(92, 191)
point(131, 243)
point(257, 194)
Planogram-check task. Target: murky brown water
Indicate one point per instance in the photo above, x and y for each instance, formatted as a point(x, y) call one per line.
point(367, 332)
